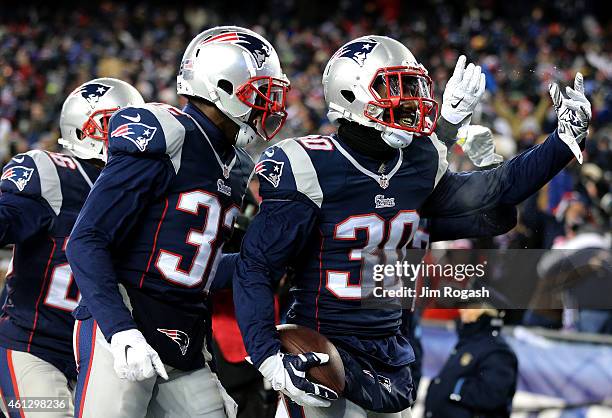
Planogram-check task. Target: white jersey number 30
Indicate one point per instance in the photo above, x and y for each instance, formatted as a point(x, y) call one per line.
point(400, 231)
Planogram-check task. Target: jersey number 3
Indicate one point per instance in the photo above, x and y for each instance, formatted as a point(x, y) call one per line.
point(204, 240)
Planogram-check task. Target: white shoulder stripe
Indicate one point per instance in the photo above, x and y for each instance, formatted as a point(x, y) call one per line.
point(442, 163)
point(174, 132)
point(306, 179)
point(50, 186)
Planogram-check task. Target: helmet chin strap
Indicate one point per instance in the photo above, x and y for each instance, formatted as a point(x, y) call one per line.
point(397, 138)
point(245, 135)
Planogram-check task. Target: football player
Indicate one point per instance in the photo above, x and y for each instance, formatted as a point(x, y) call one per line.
point(329, 201)
point(42, 194)
point(148, 241)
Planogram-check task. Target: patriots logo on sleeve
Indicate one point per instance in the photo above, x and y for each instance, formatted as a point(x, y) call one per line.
point(178, 336)
point(93, 92)
point(136, 132)
point(270, 170)
point(357, 51)
point(19, 175)
point(255, 46)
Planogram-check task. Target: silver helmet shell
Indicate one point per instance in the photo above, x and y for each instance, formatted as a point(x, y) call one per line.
point(351, 72)
point(85, 114)
point(221, 60)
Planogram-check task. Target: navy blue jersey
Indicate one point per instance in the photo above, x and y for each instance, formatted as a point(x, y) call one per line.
point(324, 207)
point(155, 222)
point(42, 194)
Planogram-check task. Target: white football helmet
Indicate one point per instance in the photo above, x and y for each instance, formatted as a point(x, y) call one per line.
point(86, 112)
point(238, 71)
point(375, 81)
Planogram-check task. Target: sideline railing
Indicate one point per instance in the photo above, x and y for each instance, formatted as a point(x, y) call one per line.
point(552, 334)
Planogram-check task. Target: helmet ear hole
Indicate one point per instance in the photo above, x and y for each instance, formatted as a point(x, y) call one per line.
point(80, 134)
point(226, 86)
point(348, 95)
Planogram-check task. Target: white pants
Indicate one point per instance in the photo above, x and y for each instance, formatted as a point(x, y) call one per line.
point(100, 392)
point(341, 408)
point(24, 375)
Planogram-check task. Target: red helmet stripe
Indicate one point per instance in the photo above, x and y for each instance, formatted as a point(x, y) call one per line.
point(224, 37)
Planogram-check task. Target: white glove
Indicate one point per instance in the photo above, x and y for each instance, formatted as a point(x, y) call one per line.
point(573, 114)
point(476, 141)
point(462, 92)
point(287, 373)
point(134, 358)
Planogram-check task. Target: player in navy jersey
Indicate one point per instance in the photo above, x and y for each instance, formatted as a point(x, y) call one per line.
point(329, 201)
point(42, 194)
point(148, 241)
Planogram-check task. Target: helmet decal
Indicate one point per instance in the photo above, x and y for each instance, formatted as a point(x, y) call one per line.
point(93, 92)
point(252, 44)
point(357, 51)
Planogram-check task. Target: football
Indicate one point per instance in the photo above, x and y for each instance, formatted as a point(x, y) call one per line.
point(297, 339)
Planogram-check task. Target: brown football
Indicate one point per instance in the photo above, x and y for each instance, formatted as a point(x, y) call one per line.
point(297, 339)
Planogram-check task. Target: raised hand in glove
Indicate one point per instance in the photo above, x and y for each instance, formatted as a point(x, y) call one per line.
point(462, 92)
point(573, 114)
point(476, 141)
point(287, 373)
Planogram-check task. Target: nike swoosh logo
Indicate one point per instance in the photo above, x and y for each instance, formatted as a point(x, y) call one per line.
point(269, 152)
point(18, 160)
point(457, 104)
point(132, 118)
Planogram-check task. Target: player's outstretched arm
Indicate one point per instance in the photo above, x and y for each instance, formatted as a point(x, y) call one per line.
point(478, 145)
point(513, 181)
point(496, 221)
point(28, 197)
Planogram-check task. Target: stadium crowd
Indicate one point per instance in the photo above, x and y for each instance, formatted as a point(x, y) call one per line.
point(48, 49)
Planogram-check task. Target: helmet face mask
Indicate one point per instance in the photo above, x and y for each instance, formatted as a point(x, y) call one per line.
point(96, 126)
point(266, 96)
point(403, 100)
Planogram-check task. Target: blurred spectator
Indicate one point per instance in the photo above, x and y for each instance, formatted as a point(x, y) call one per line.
point(479, 378)
point(580, 264)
